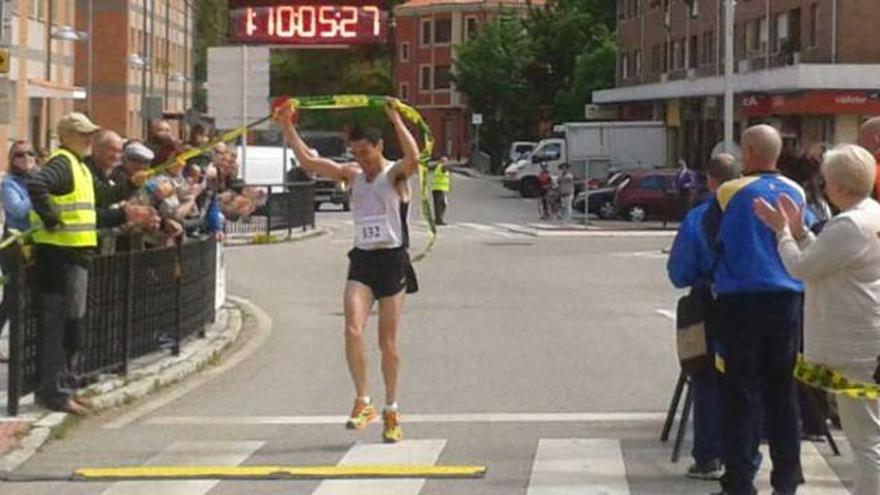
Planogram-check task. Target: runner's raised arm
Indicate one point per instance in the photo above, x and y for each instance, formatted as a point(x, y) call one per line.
point(409, 165)
point(306, 158)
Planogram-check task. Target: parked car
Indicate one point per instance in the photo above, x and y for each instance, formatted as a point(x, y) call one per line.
point(519, 149)
point(602, 196)
point(649, 194)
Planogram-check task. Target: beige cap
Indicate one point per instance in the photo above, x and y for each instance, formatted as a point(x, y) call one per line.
point(76, 122)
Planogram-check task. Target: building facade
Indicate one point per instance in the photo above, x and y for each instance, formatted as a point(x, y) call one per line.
point(426, 35)
point(800, 65)
point(39, 85)
point(139, 56)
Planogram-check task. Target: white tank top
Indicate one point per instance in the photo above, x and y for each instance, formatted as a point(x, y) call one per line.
point(375, 207)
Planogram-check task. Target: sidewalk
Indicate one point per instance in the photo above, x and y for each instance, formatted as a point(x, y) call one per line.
point(22, 435)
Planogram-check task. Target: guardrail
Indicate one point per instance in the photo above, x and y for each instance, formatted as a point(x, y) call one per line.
point(139, 303)
point(288, 206)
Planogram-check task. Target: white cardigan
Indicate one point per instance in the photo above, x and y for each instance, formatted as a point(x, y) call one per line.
point(841, 271)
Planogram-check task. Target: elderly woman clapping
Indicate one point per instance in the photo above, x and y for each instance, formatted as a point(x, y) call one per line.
point(841, 270)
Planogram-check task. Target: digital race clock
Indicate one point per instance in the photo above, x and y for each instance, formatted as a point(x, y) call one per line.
point(308, 22)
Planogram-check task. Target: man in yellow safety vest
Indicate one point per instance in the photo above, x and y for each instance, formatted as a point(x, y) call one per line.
point(440, 182)
point(64, 198)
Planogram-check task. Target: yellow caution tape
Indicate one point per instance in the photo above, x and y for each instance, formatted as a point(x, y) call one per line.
point(286, 472)
point(825, 378)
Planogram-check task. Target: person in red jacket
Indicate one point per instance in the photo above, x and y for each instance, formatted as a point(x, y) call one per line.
point(869, 138)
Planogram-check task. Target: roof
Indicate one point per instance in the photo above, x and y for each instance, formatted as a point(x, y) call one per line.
point(418, 4)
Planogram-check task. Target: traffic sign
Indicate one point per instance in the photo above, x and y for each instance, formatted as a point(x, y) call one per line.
point(477, 119)
point(4, 61)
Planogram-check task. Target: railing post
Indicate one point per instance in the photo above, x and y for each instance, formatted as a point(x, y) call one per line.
point(13, 294)
point(129, 309)
point(178, 282)
point(269, 213)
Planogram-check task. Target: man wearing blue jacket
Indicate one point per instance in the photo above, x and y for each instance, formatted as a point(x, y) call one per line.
point(760, 314)
point(690, 265)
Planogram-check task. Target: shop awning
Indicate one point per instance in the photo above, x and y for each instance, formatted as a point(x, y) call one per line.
point(40, 88)
point(801, 77)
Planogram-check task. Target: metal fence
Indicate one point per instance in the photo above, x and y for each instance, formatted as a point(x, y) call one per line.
point(138, 303)
point(288, 206)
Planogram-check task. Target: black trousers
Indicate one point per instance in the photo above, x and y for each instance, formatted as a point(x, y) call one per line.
point(439, 206)
point(62, 280)
point(760, 339)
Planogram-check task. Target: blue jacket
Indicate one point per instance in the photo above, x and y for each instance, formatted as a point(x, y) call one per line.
point(16, 202)
point(691, 258)
point(749, 261)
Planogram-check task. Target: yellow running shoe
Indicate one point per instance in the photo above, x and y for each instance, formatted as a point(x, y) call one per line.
point(392, 432)
point(361, 415)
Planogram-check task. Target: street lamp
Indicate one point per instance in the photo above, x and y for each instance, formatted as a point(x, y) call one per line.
point(67, 33)
point(177, 77)
point(137, 61)
point(729, 20)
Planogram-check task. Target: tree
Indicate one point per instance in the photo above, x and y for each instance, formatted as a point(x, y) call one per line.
point(211, 17)
point(492, 71)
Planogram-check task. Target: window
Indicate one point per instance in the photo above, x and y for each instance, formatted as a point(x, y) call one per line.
point(404, 52)
point(638, 62)
point(425, 82)
point(814, 24)
point(404, 91)
point(426, 32)
point(652, 183)
point(471, 28)
point(694, 53)
point(656, 59)
point(765, 35)
point(677, 55)
point(624, 66)
point(694, 9)
point(781, 32)
point(442, 31)
point(442, 79)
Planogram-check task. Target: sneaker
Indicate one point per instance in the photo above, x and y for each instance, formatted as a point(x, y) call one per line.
point(392, 432)
point(711, 470)
point(361, 415)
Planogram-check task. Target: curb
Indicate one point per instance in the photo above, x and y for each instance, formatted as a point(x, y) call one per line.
point(249, 239)
point(138, 384)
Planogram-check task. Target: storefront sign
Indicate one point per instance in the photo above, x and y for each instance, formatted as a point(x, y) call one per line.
point(812, 102)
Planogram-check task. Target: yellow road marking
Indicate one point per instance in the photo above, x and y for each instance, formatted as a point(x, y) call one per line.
point(294, 472)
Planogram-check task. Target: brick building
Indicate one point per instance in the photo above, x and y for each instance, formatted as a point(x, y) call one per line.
point(39, 86)
point(426, 34)
point(801, 65)
point(132, 55)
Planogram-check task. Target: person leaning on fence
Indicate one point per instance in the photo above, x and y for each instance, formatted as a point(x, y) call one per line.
point(760, 313)
point(691, 263)
point(64, 199)
point(841, 270)
point(16, 208)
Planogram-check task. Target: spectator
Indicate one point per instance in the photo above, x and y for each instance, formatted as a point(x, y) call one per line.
point(64, 199)
point(544, 183)
point(566, 191)
point(760, 310)
point(869, 138)
point(135, 158)
point(160, 134)
point(841, 269)
point(691, 263)
point(16, 206)
point(106, 154)
point(686, 185)
point(199, 136)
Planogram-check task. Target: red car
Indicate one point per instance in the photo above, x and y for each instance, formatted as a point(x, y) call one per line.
point(650, 194)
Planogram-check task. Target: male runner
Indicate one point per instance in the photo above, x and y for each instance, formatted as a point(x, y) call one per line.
point(380, 267)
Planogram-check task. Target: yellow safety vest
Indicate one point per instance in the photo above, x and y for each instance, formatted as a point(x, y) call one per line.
point(75, 210)
point(440, 179)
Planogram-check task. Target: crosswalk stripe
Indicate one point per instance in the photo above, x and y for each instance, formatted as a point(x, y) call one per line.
point(187, 453)
point(576, 465)
point(410, 452)
point(491, 229)
point(821, 479)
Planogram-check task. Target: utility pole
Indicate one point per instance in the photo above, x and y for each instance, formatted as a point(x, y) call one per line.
point(729, 21)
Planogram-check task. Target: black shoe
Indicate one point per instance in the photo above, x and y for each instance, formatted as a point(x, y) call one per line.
point(711, 470)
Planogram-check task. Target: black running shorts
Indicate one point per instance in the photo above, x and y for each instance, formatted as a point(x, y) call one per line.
point(385, 271)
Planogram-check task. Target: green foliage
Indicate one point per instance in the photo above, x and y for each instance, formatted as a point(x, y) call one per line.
point(211, 17)
point(520, 72)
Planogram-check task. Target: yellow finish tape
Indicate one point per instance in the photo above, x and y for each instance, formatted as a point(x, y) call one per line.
point(828, 379)
point(284, 472)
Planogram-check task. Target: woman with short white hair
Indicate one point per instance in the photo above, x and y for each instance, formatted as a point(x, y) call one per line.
point(841, 270)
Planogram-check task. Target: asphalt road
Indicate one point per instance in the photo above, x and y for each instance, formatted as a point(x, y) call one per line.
point(544, 359)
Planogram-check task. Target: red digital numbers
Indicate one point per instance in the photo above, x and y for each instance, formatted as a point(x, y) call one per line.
point(308, 22)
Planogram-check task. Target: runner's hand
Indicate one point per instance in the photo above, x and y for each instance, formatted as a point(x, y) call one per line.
point(391, 109)
point(285, 114)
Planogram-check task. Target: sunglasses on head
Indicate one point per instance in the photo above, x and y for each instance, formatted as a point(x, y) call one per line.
point(22, 154)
